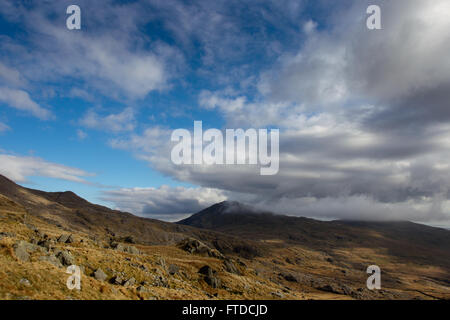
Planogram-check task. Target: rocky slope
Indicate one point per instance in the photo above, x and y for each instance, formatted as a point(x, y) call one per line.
point(127, 257)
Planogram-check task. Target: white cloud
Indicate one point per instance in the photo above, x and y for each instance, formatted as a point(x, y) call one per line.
point(18, 168)
point(168, 203)
point(4, 127)
point(20, 100)
point(113, 58)
point(81, 134)
point(119, 122)
point(11, 76)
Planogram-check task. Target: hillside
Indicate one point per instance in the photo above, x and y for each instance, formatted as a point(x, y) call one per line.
point(244, 254)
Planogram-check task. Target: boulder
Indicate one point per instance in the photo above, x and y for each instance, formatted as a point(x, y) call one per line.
point(288, 277)
point(100, 275)
point(129, 239)
point(130, 282)
point(22, 250)
point(65, 238)
point(25, 282)
point(117, 280)
point(51, 259)
point(142, 289)
point(206, 270)
point(230, 267)
point(196, 247)
point(47, 244)
point(7, 234)
point(132, 249)
point(209, 276)
point(70, 239)
point(173, 269)
point(123, 248)
point(160, 281)
point(65, 257)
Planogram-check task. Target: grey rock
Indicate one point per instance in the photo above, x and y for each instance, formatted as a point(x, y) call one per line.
point(100, 275)
point(7, 234)
point(230, 267)
point(123, 248)
point(213, 281)
point(51, 259)
point(209, 276)
point(142, 289)
point(196, 247)
point(70, 239)
point(206, 270)
point(288, 277)
point(278, 295)
point(65, 257)
point(47, 244)
point(160, 281)
point(129, 239)
point(132, 249)
point(22, 249)
point(173, 269)
point(117, 280)
point(25, 282)
point(63, 238)
point(130, 282)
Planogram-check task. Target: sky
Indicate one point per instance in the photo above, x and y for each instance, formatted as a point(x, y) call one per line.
point(363, 115)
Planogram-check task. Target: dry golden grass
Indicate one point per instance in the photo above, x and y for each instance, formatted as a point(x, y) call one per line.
point(261, 277)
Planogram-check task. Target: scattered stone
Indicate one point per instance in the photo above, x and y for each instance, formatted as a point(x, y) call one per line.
point(47, 244)
point(330, 260)
point(143, 268)
point(117, 280)
point(160, 281)
point(63, 238)
point(129, 239)
point(213, 282)
point(173, 269)
point(65, 257)
point(51, 259)
point(128, 249)
point(196, 247)
point(209, 276)
point(130, 282)
point(230, 267)
point(278, 295)
point(162, 263)
point(288, 277)
point(25, 282)
point(70, 239)
point(22, 249)
point(206, 270)
point(38, 233)
point(142, 289)
point(8, 234)
point(132, 249)
point(100, 275)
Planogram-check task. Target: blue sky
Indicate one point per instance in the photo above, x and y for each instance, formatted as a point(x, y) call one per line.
point(362, 129)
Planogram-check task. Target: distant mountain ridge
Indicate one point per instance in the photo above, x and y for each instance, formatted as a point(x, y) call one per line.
point(406, 240)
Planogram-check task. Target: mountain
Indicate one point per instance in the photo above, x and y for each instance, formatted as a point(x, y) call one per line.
point(247, 254)
point(71, 212)
point(405, 241)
